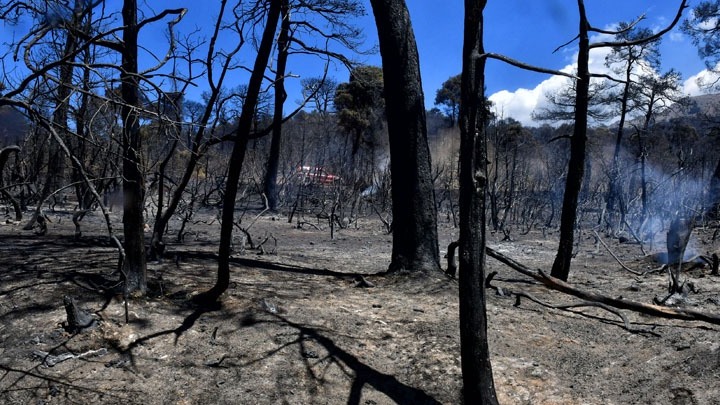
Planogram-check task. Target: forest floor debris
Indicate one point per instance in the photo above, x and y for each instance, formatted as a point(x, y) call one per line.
point(293, 329)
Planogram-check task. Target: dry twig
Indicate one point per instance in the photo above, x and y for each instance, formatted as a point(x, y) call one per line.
point(637, 273)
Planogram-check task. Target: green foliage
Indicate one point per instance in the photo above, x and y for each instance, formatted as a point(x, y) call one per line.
point(704, 27)
point(359, 103)
point(448, 98)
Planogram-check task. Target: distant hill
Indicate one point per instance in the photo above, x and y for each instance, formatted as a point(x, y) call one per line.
point(699, 110)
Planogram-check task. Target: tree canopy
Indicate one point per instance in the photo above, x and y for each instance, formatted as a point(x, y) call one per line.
point(447, 98)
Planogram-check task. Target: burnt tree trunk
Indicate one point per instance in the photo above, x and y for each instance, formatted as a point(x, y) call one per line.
point(78, 319)
point(4, 156)
point(613, 201)
point(478, 386)
point(576, 165)
point(271, 170)
point(415, 238)
point(157, 245)
point(134, 267)
point(237, 156)
point(56, 159)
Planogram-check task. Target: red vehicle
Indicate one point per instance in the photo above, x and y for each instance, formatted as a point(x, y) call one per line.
point(316, 175)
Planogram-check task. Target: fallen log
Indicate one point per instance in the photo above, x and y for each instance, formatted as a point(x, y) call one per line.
point(620, 303)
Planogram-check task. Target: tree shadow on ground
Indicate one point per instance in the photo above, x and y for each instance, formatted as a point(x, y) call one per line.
point(268, 265)
point(363, 374)
point(55, 386)
point(186, 324)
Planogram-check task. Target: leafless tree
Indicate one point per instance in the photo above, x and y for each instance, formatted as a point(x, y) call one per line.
point(415, 238)
point(478, 386)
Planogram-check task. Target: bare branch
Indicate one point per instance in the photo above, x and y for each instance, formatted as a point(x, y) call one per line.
point(566, 43)
point(629, 27)
point(608, 77)
point(650, 38)
point(525, 66)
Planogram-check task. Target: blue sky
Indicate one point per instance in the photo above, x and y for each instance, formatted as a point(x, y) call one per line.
point(527, 30)
point(530, 31)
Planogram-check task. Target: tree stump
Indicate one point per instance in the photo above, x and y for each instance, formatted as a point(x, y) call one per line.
point(451, 264)
point(78, 320)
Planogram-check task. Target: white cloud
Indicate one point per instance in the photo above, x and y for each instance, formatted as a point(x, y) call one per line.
point(676, 36)
point(698, 84)
point(521, 103)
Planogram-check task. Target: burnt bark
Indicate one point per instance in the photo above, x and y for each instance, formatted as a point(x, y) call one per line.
point(271, 170)
point(415, 238)
point(237, 156)
point(576, 165)
point(78, 319)
point(56, 159)
point(134, 267)
point(478, 386)
point(4, 156)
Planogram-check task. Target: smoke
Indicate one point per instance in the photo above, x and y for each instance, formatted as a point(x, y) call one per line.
point(672, 193)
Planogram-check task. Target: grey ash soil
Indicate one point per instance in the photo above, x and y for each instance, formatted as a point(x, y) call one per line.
point(294, 328)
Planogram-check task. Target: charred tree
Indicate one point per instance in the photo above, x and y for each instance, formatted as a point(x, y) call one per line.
point(242, 135)
point(134, 267)
point(198, 146)
point(157, 245)
point(713, 210)
point(271, 169)
point(56, 159)
point(478, 386)
point(415, 238)
point(4, 156)
point(576, 165)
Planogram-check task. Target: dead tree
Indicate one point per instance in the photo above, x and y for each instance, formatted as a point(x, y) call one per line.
point(4, 156)
point(415, 238)
point(237, 157)
point(478, 385)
